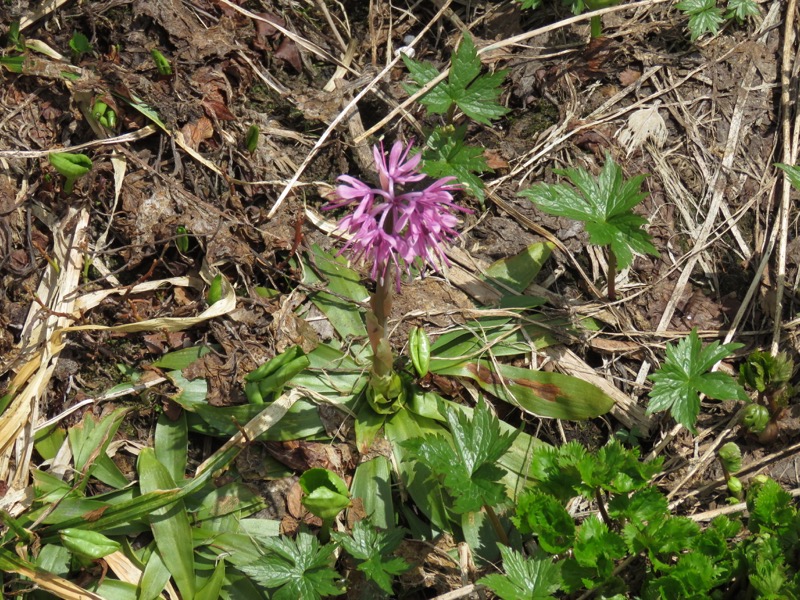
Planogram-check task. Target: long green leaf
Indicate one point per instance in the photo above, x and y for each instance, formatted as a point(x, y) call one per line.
point(544, 394)
point(518, 272)
point(426, 492)
point(154, 577)
point(372, 484)
point(343, 314)
point(171, 527)
point(171, 444)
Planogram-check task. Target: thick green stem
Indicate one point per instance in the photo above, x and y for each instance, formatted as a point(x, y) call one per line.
point(597, 27)
point(498, 527)
point(611, 276)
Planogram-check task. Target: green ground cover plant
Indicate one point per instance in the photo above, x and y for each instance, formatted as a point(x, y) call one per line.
point(538, 520)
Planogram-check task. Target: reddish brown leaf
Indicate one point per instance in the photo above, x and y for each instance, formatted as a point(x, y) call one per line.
point(287, 51)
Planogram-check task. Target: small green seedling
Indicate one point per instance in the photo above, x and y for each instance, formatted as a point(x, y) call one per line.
point(605, 205)
point(162, 64)
point(215, 290)
point(741, 10)
point(730, 457)
point(446, 154)
point(79, 44)
point(769, 377)
point(326, 495)
point(704, 16)
point(182, 239)
point(251, 139)
point(537, 577)
point(71, 166)
point(372, 550)
point(104, 114)
point(15, 38)
point(686, 374)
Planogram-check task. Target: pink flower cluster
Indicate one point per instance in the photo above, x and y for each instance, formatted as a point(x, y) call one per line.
point(395, 226)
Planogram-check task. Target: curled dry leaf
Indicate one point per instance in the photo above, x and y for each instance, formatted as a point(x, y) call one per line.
point(643, 125)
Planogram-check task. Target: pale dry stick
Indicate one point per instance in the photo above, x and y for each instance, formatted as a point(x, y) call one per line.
point(346, 111)
point(502, 44)
point(120, 139)
point(789, 157)
point(45, 9)
point(733, 508)
point(323, 7)
point(459, 593)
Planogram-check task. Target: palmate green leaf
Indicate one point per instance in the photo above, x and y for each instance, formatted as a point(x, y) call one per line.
point(476, 95)
point(299, 568)
point(536, 578)
point(604, 204)
point(684, 376)
point(447, 155)
point(468, 465)
point(741, 10)
point(373, 550)
point(704, 16)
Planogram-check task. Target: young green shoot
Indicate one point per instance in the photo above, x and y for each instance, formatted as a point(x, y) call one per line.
point(605, 205)
point(71, 166)
point(326, 495)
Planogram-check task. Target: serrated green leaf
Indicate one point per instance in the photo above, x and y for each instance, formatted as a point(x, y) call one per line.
point(373, 551)
point(536, 578)
point(446, 154)
point(604, 204)
point(684, 375)
point(597, 547)
point(467, 467)
point(643, 506)
point(545, 516)
point(704, 16)
point(298, 568)
point(476, 95)
point(741, 10)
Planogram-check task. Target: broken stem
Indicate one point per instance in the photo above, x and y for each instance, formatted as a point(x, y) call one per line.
point(597, 27)
point(611, 275)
